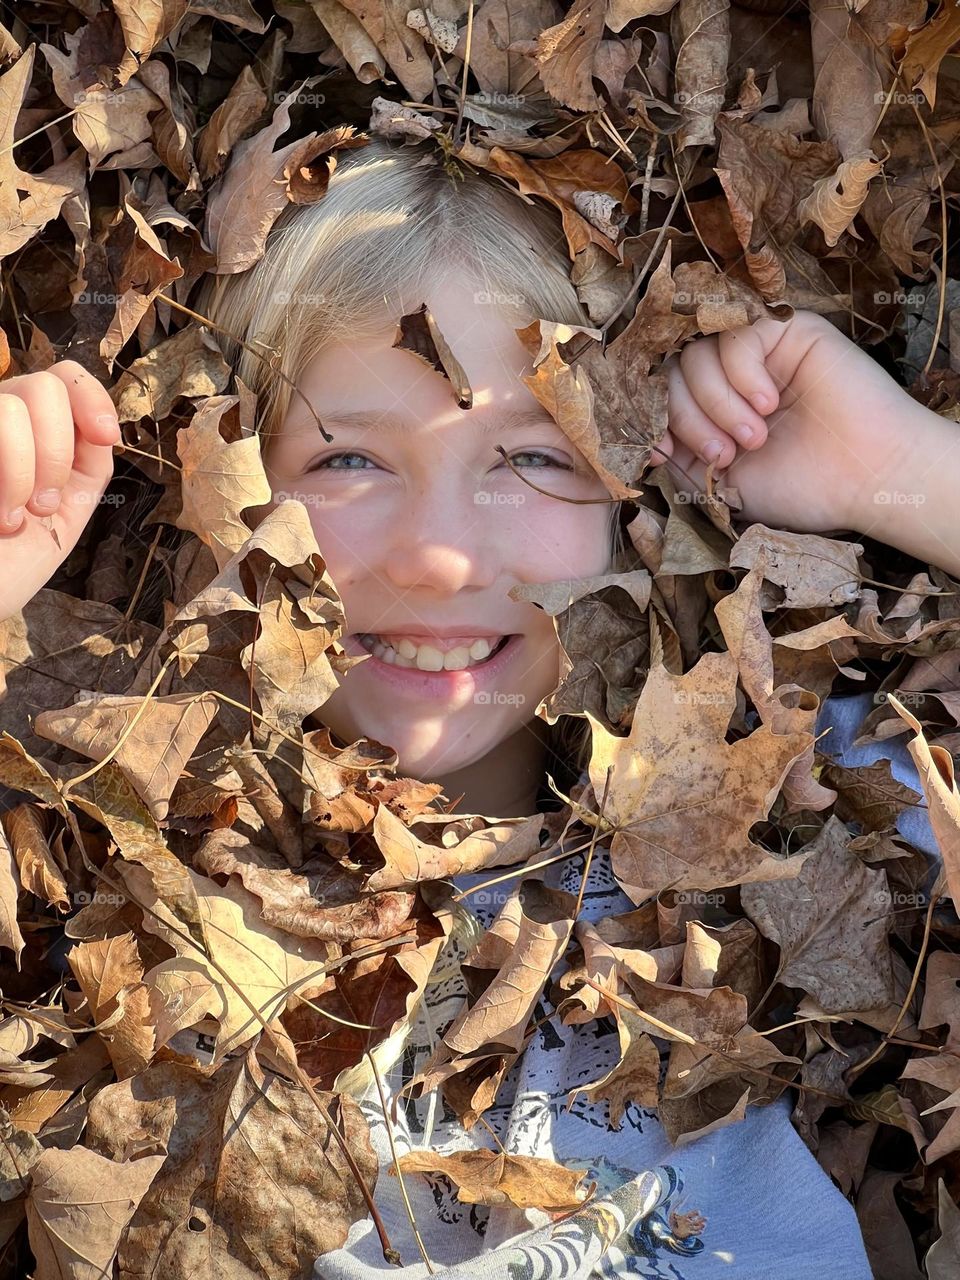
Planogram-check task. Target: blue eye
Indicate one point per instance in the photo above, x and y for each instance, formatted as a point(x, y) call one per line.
point(536, 453)
point(324, 463)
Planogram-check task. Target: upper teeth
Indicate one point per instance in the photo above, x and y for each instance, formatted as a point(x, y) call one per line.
point(406, 652)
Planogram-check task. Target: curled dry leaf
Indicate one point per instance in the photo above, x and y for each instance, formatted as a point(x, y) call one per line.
point(111, 977)
point(510, 965)
point(496, 1178)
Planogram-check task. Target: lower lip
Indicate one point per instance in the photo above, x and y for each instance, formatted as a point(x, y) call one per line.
point(436, 684)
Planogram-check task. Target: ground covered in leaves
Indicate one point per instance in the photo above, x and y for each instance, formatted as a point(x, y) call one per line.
point(178, 853)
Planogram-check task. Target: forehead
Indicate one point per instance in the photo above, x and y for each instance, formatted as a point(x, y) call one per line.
point(372, 384)
point(377, 421)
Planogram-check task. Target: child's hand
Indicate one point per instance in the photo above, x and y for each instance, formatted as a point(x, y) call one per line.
point(57, 432)
point(831, 427)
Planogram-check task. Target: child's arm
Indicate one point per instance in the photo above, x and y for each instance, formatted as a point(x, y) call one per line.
point(918, 510)
point(838, 444)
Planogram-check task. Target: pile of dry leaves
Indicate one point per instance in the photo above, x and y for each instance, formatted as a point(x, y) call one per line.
point(178, 853)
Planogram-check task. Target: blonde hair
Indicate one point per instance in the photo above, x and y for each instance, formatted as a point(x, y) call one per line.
point(391, 217)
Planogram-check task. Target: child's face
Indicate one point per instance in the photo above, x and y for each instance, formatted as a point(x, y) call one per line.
point(424, 528)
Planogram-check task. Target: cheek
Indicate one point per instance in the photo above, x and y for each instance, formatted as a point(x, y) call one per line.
point(346, 543)
point(574, 542)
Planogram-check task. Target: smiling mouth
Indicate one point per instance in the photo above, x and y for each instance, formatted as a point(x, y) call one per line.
point(428, 658)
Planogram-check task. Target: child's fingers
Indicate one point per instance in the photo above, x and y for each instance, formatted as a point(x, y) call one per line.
point(93, 411)
point(742, 353)
point(689, 424)
point(51, 423)
point(17, 461)
point(710, 386)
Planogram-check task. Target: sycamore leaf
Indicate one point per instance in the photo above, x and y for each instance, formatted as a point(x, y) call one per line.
point(39, 871)
point(29, 201)
point(419, 332)
point(836, 200)
point(943, 1257)
point(409, 860)
point(10, 935)
point(943, 1073)
point(635, 1078)
point(220, 481)
point(512, 962)
point(19, 1152)
point(813, 571)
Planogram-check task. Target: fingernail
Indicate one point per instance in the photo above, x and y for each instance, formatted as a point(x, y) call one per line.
point(49, 498)
point(744, 433)
point(15, 517)
point(762, 402)
point(711, 451)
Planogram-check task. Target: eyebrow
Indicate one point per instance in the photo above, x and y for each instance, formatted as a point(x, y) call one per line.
point(377, 422)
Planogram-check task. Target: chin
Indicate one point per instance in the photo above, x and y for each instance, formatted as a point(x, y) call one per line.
point(437, 762)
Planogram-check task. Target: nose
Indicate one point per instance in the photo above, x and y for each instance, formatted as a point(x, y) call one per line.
point(445, 542)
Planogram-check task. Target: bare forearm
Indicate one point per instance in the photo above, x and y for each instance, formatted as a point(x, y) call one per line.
point(917, 507)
